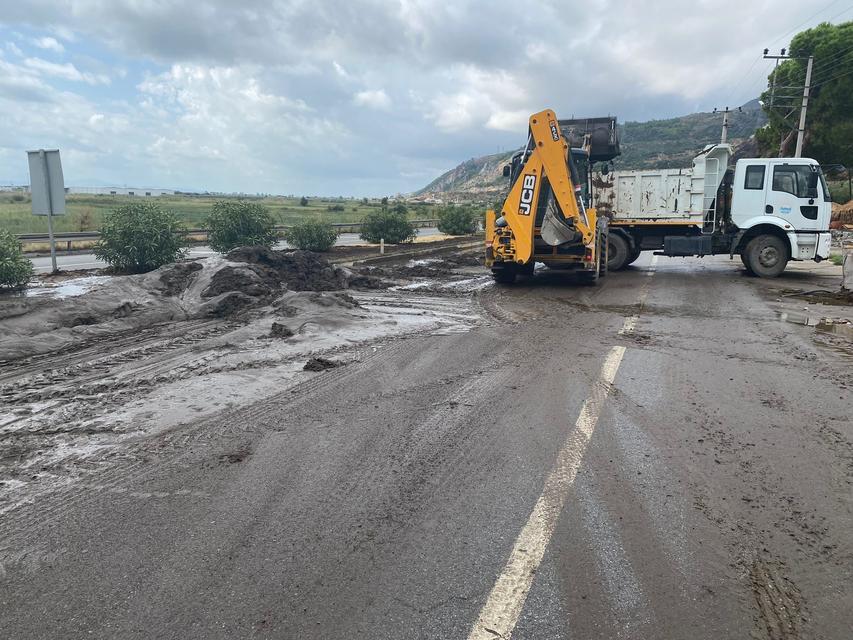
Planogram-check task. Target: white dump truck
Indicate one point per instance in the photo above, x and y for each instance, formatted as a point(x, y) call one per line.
point(766, 210)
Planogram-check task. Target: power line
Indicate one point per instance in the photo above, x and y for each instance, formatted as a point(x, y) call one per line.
point(833, 78)
point(787, 33)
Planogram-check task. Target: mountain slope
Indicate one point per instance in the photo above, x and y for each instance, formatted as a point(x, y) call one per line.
point(645, 145)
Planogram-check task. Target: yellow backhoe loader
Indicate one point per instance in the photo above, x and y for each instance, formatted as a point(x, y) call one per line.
point(544, 218)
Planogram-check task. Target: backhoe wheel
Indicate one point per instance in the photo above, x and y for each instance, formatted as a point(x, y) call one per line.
point(746, 264)
point(766, 256)
point(618, 252)
point(603, 254)
point(505, 275)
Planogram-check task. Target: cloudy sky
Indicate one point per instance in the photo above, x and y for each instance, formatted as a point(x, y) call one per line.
point(354, 97)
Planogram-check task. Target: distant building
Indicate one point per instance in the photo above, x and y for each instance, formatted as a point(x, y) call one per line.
point(121, 191)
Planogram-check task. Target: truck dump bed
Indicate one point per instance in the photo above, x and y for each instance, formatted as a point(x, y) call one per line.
point(682, 195)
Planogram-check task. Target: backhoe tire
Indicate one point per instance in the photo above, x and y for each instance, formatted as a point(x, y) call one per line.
point(618, 252)
point(767, 256)
point(505, 275)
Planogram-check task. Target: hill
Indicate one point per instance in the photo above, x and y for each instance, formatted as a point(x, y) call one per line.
point(645, 145)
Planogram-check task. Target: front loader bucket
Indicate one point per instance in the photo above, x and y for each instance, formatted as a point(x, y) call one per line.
point(555, 229)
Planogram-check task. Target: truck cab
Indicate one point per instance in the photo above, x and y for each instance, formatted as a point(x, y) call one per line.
point(788, 194)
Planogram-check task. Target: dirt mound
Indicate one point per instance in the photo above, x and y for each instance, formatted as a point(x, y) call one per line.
point(320, 364)
point(300, 270)
point(175, 278)
point(246, 280)
point(278, 330)
point(842, 213)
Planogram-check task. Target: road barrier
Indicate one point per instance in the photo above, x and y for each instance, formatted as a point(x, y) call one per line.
point(70, 237)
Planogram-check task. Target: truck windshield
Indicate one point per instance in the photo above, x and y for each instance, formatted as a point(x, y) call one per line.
point(793, 179)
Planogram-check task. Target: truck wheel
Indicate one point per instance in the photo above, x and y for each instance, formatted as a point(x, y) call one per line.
point(746, 264)
point(618, 252)
point(505, 275)
point(766, 256)
point(632, 257)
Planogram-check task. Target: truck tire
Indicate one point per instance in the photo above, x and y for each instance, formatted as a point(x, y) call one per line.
point(618, 252)
point(505, 275)
point(633, 256)
point(746, 264)
point(766, 256)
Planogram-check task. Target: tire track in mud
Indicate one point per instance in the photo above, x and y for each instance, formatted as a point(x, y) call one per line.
point(149, 455)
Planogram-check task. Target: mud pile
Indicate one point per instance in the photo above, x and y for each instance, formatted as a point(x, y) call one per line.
point(252, 279)
point(842, 214)
point(301, 270)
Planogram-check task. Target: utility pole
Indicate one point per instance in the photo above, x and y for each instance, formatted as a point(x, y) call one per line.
point(801, 127)
point(724, 136)
point(801, 130)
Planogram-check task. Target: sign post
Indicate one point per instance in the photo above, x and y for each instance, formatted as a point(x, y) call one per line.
point(47, 188)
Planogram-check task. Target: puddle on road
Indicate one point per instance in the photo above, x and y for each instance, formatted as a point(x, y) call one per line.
point(834, 334)
point(67, 288)
point(828, 325)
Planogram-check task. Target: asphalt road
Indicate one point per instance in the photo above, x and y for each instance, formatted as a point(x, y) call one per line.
point(74, 261)
point(658, 457)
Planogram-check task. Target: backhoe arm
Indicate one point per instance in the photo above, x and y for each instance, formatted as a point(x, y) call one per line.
point(546, 162)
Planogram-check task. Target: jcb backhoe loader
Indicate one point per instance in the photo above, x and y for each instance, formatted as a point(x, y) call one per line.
point(544, 218)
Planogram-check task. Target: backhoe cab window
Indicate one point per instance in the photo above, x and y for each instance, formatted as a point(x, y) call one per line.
point(793, 179)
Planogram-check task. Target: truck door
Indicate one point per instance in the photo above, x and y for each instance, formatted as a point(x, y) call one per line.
point(792, 198)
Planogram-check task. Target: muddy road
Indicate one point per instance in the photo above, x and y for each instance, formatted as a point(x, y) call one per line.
point(668, 455)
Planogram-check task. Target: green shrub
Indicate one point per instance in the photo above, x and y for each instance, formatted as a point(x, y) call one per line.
point(458, 221)
point(313, 235)
point(15, 269)
point(139, 237)
point(392, 225)
point(335, 207)
point(303, 201)
point(239, 223)
point(17, 197)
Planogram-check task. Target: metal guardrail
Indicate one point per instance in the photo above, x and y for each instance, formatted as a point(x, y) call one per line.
point(78, 236)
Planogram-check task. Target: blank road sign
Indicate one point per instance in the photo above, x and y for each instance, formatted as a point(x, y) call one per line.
point(46, 182)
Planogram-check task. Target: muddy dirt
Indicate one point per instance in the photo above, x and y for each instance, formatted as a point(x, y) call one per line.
point(824, 296)
point(320, 364)
point(300, 270)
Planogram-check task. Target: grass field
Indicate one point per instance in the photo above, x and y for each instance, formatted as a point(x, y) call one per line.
point(84, 212)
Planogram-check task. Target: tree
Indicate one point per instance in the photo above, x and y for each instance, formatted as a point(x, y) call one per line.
point(15, 269)
point(139, 237)
point(829, 122)
point(391, 225)
point(303, 201)
point(313, 235)
point(240, 224)
point(458, 221)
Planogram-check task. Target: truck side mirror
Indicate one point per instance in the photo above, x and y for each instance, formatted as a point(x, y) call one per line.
point(506, 171)
point(811, 191)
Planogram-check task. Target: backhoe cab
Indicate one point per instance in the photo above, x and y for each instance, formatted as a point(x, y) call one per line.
point(544, 218)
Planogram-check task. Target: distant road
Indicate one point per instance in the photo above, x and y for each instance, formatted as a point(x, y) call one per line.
point(89, 261)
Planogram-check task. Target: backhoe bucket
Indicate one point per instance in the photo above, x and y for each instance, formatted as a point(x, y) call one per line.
point(555, 230)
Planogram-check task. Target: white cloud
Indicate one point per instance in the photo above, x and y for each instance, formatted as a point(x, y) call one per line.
point(65, 71)
point(373, 98)
point(51, 44)
point(363, 96)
